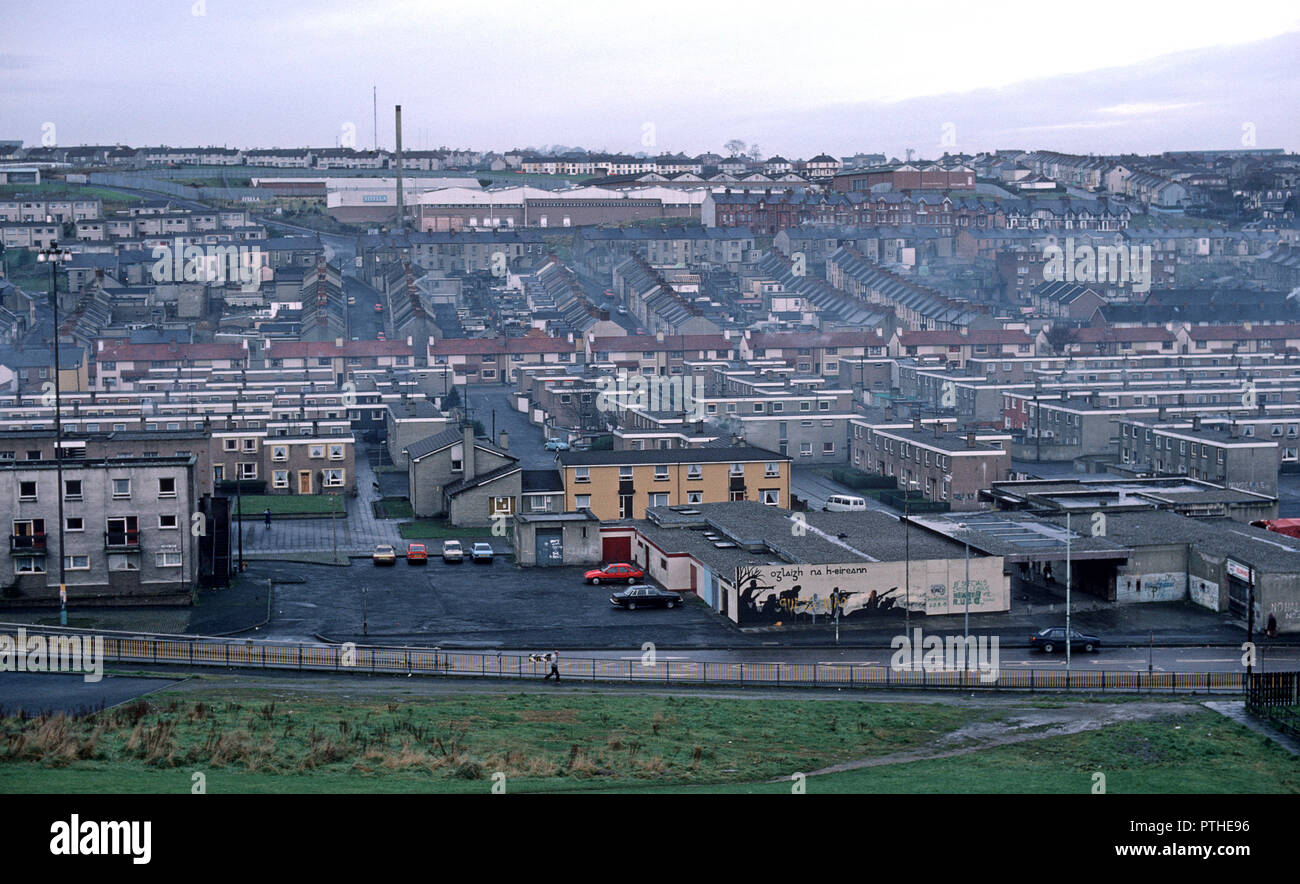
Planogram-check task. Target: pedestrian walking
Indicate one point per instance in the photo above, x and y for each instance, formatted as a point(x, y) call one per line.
point(555, 667)
point(267, 515)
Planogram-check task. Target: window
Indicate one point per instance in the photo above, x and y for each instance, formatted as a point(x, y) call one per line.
point(694, 471)
point(230, 444)
point(168, 560)
point(502, 506)
point(772, 469)
point(805, 449)
point(829, 448)
point(659, 499)
point(76, 563)
point(824, 405)
point(582, 474)
point(218, 473)
point(121, 488)
point(737, 469)
point(250, 444)
point(167, 522)
point(27, 490)
point(29, 565)
point(316, 451)
point(695, 497)
point(167, 486)
point(661, 473)
point(625, 472)
point(582, 502)
point(279, 478)
point(771, 496)
point(333, 478)
point(248, 471)
point(75, 523)
point(336, 452)
point(72, 489)
point(279, 452)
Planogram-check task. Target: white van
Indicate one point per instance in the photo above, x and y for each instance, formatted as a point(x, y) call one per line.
point(844, 503)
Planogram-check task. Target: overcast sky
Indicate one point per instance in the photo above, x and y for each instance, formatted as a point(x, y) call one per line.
point(1102, 77)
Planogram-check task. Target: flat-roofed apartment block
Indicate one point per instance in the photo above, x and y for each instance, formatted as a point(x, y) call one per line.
point(944, 466)
point(407, 421)
point(127, 537)
point(622, 484)
point(1218, 454)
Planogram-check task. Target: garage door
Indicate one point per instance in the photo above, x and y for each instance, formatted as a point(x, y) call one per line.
point(616, 549)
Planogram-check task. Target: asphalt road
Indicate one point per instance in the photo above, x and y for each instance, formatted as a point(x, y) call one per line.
point(38, 693)
point(526, 441)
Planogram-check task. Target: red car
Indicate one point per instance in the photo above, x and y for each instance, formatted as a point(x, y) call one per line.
point(379, 308)
point(618, 571)
point(417, 552)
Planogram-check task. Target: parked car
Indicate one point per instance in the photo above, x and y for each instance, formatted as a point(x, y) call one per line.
point(1052, 639)
point(452, 552)
point(481, 552)
point(380, 337)
point(844, 503)
point(417, 552)
point(556, 445)
point(384, 554)
point(379, 308)
point(645, 596)
point(622, 311)
point(351, 300)
point(616, 573)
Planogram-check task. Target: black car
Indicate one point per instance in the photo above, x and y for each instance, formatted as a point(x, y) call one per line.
point(644, 597)
point(1052, 639)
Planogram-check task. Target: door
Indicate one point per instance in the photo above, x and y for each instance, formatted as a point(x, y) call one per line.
point(550, 547)
point(693, 579)
point(616, 549)
point(304, 481)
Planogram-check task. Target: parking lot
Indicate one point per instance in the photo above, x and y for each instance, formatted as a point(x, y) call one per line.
point(473, 606)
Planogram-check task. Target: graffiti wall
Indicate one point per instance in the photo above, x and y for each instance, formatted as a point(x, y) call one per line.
point(766, 594)
point(1157, 587)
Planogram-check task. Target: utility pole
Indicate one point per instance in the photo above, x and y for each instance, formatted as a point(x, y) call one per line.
point(907, 558)
point(53, 255)
point(1068, 634)
point(334, 524)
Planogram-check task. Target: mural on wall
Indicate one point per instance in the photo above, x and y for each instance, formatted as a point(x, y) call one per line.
point(801, 593)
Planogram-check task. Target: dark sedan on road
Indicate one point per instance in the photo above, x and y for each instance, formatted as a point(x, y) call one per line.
point(619, 572)
point(1052, 639)
point(645, 597)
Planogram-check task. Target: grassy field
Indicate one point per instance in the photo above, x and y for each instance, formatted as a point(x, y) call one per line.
point(254, 505)
point(429, 529)
point(396, 508)
point(257, 740)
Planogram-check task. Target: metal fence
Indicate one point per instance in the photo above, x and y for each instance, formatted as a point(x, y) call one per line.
point(1275, 697)
point(399, 660)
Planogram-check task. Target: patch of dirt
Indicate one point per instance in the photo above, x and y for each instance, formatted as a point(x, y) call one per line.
point(564, 715)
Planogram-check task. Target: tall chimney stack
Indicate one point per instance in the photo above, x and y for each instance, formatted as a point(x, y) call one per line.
point(401, 206)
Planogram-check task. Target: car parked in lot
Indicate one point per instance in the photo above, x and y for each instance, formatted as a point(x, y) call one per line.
point(481, 552)
point(384, 554)
point(556, 445)
point(645, 596)
point(379, 308)
point(417, 552)
point(619, 572)
point(452, 551)
point(1052, 639)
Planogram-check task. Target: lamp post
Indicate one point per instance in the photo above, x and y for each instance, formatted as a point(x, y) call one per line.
point(52, 255)
point(1068, 634)
point(965, 530)
point(907, 557)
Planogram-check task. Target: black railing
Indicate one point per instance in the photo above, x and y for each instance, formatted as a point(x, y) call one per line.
point(20, 542)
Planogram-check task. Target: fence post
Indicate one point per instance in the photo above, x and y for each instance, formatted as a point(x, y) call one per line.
point(814, 675)
point(300, 656)
point(629, 670)
point(778, 674)
point(668, 671)
point(1031, 679)
point(191, 652)
point(706, 671)
point(742, 673)
point(227, 647)
point(593, 668)
point(336, 657)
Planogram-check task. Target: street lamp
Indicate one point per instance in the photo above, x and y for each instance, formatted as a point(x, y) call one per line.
point(965, 530)
point(52, 255)
point(907, 556)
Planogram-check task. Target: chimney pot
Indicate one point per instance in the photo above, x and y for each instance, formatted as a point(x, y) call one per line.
point(970, 439)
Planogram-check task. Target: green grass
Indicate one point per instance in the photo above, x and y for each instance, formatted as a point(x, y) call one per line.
point(254, 505)
point(430, 529)
point(397, 508)
point(1186, 754)
point(259, 740)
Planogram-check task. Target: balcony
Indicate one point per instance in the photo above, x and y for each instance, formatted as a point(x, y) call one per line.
point(26, 543)
point(122, 541)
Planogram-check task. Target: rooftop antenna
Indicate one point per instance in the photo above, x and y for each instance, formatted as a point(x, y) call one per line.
point(401, 208)
point(374, 98)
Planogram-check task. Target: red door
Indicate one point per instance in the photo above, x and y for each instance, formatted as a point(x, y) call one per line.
point(616, 549)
